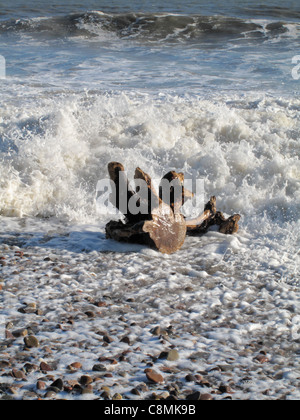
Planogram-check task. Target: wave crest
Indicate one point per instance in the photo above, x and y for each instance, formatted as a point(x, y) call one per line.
point(151, 27)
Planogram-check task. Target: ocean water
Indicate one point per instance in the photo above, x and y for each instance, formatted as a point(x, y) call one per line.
point(207, 88)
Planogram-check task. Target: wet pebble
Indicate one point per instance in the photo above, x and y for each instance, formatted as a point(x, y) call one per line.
point(4, 364)
point(206, 397)
point(18, 374)
point(20, 333)
point(107, 339)
point(73, 367)
point(154, 376)
point(87, 389)
point(30, 367)
point(261, 358)
point(135, 391)
point(125, 340)
point(50, 393)
point(156, 331)
point(195, 396)
point(40, 385)
point(173, 356)
point(9, 335)
point(225, 389)
point(31, 341)
point(58, 384)
point(44, 367)
point(99, 368)
point(85, 380)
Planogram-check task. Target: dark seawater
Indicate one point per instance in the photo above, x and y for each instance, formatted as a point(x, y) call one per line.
point(184, 47)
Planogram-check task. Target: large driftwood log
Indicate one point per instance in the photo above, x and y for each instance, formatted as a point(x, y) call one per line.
point(167, 229)
point(162, 225)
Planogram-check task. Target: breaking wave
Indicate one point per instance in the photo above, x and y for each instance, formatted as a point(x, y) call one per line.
point(246, 151)
point(151, 27)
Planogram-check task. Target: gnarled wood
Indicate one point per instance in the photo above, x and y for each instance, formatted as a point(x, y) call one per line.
point(211, 217)
point(166, 229)
point(153, 200)
point(201, 223)
point(123, 193)
point(162, 226)
point(172, 191)
point(231, 225)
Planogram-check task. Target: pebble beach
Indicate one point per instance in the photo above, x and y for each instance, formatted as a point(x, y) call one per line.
point(89, 325)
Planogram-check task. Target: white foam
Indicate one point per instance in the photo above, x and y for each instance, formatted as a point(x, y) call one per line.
point(247, 157)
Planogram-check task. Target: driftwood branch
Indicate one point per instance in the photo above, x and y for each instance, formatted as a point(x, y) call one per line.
point(161, 225)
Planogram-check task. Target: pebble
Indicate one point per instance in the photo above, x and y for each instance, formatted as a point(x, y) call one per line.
point(156, 331)
point(154, 376)
point(88, 389)
point(125, 340)
point(73, 367)
point(105, 388)
point(85, 380)
point(30, 396)
point(195, 396)
point(44, 367)
point(31, 341)
point(225, 389)
point(190, 378)
point(9, 335)
point(106, 392)
point(204, 382)
point(53, 389)
point(117, 397)
point(173, 356)
point(50, 393)
point(135, 391)
point(261, 358)
point(206, 397)
point(100, 304)
point(30, 367)
point(107, 339)
point(105, 395)
point(18, 374)
point(99, 368)
point(90, 314)
point(71, 383)
point(40, 385)
point(77, 389)
point(142, 387)
point(58, 384)
point(20, 333)
point(4, 364)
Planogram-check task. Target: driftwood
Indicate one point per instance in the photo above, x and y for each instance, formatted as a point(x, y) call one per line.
point(211, 217)
point(161, 225)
